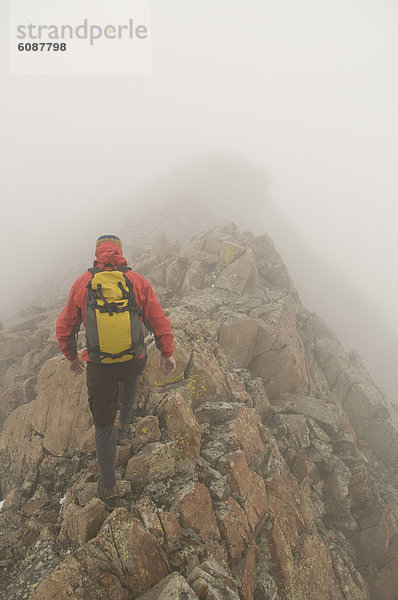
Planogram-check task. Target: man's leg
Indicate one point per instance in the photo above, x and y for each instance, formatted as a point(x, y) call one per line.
point(105, 442)
point(128, 394)
point(103, 395)
point(128, 374)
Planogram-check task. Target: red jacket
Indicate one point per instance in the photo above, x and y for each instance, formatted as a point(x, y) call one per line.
point(70, 319)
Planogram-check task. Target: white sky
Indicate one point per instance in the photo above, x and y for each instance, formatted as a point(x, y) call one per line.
point(307, 90)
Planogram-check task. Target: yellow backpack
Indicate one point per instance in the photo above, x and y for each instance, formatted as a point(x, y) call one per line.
point(114, 331)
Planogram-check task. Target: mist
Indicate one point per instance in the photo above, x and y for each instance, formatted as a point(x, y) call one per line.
point(304, 94)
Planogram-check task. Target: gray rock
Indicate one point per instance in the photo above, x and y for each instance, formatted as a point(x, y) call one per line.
point(173, 587)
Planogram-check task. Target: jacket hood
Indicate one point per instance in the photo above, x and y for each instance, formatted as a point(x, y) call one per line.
point(109, 253)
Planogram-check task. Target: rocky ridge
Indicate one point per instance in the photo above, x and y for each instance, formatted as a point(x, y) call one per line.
point(263, 469)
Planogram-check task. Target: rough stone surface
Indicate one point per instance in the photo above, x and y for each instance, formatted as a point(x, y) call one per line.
point(239, 276)
point(287, 488)
point(249, 485)
point(145, 431)
point(153, 375)
point(123, 557)
point(20, 448)
point(248, 431)
point(173, 587)
point(61, 413)
point(171, 528)
point(284, 367)
point(245, 338)
point(197, 511)
point(181, 426)
point(155, 462)
point(204, 384)
point(234, 528)
point(81, 524)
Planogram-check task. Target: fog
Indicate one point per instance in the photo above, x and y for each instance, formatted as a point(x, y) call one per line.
point(305, 92)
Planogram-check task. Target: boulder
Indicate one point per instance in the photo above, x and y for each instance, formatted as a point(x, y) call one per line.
point(171, 528)
point(157, 274)
point(21, 449)
point(13, 500)
point(249, 485)
point(249, 576)
point(160, 247)
point(194, 277)
point(148, 513)
point(82, 492)
point(270, 264)
point(153, 376)
point(248, 431)
point(211, 245)
point(215, 413)
point(205, 380)
point(175, 274)
point(180, 425)
point(61, 413)
point(196, 511)
point(284, 367)
point(145, 431)
point(228, 253)
point(123, 560)
point(240, 276)
point(244, 338)
point(38, 501)
point(234, 528)
point(326, 415)
point(155, 462)
point(173, 587)
point(189, 252)
point(87, 442)
point(282, 370)
point(81, 524)
point(211, 581)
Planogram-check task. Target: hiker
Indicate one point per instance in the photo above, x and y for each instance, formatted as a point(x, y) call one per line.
point(112, 301)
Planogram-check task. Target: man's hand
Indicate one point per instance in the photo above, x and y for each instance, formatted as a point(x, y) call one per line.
point(167, 364)
point(76, 366)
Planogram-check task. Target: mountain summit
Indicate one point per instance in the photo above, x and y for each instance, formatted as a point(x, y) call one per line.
point(264, 468)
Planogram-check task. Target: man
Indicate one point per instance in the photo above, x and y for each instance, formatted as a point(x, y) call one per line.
point(112, 377)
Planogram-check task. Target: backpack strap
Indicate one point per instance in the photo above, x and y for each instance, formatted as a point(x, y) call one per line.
point(131, 295)
point(141, 313)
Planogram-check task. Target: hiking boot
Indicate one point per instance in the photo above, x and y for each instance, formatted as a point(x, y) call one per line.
point(110, 496)
point(122, 437)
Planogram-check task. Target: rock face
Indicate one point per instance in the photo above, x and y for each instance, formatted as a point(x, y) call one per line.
point(55, 422)
point(264, 468)
point(123, 557)
point(61, 414)
point(24, 348)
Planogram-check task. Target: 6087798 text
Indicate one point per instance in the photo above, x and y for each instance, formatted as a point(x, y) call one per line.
point(41, 47)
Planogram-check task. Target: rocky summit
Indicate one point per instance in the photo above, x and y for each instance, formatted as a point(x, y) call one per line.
point(263, 468)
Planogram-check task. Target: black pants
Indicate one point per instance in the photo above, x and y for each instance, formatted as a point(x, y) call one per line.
point(103, 387)
point(103, 396)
